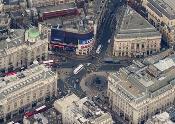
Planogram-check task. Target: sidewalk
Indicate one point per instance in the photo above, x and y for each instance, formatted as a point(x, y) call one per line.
point(86, 79)
point(74, 56)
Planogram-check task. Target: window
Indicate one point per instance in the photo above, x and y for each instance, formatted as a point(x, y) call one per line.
point(34, 96)
point(61, 1)
point(132, 46)
point(8, 108)
point(28, 98)
point(41, 92)
point(21, 102)
point(15, 105)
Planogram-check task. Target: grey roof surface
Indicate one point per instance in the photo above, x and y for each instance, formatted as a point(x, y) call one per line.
point(70, 24)
point(18, 82)
point(140, 81)
point(55, 8)
point(134, 25)
point(16, 39)
point(165, 7)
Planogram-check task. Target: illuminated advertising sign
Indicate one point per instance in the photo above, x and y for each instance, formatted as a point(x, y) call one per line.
point(83, 42)
point(86, 43)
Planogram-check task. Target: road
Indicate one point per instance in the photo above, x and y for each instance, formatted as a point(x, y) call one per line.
point(104, 32)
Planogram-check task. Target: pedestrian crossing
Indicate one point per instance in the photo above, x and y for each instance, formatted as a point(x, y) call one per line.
point(94, 67)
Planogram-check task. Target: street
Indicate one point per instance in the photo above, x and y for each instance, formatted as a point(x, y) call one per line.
point(105, 31)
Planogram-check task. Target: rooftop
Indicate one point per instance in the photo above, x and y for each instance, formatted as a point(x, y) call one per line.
point(167, 117)
point(65, 102)
point(4, 21)
point(47, 117)
point(75, 24)
point(33, 33)
point(18, 81)
point(91, 113)
point(15, 38)
point(56, 8)
point(134, 25)
point(163, 7)
point(141, 80)
point(10, 38)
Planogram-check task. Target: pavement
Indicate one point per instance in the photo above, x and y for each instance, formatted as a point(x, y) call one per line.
point(76, 83)
point(88, 79)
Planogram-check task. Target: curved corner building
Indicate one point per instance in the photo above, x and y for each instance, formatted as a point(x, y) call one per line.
point(70, 40)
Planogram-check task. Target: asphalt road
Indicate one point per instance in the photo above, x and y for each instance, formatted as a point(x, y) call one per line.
point(104, 32)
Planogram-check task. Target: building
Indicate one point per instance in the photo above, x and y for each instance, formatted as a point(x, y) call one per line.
point(81, 111)
point(162, 118)
point(143, 89)
point(42, 3)
point(60, 10)
point(161, 13)
point(72, 34)
point(24, 90)
point(135, 39)
point(13, 5)
point(1, 6)
point(50, 116)
point(19, 48)
point(4, 21)
point(167, 117)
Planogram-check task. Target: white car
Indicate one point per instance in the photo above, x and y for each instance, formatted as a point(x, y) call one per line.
point(88, 64)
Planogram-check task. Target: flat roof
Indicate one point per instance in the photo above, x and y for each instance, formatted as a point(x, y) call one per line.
point(138, 81)
point(65, 102)
point(134, 25)
point(165, 64)
point(23, 79)
point(58, 7)
point(71, 24)
point(14, 39)
point(165, 7)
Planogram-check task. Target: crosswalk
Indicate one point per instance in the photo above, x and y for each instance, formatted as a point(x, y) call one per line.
point(94, 67)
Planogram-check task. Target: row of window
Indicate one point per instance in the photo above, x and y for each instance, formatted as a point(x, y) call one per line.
point(30, 97)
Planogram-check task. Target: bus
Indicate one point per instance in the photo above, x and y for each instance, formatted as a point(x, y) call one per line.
point(98, 49)
point(48, 62)
point(36, 111)
point(78, 69)
point(111, 61)
point(41, 109)
point(12, 122)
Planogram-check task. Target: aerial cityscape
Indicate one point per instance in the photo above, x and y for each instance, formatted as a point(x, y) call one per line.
point(87, 61)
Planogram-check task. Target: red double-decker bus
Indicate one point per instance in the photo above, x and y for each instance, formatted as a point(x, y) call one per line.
point(58, 13)
point(36, 111)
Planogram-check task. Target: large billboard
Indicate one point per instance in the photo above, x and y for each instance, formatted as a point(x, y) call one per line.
point(65, 37)
point(85, 43)
point(10, 2)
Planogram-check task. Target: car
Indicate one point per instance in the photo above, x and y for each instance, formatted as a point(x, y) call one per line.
point(88, 64)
